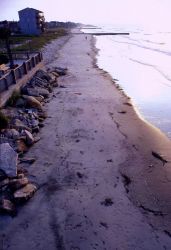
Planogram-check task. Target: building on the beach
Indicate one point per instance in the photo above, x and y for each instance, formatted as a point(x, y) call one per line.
point(31, 21)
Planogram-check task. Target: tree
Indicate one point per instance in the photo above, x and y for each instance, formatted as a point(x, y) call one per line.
point(5, 35)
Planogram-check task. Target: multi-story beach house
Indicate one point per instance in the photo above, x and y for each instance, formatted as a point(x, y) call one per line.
point(31, 21)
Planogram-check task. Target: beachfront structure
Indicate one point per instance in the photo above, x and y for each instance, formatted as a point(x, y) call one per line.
point(31, 21)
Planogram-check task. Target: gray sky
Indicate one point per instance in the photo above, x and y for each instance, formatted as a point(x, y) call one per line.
point(149, 13)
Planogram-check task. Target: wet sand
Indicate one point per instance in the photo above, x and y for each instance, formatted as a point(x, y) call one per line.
point(103, 184)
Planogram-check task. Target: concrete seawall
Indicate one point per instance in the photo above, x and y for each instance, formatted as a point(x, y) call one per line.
point(4, 96)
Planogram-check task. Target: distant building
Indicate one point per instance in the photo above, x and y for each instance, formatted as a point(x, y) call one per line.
point(31, 21)
point(12, 25)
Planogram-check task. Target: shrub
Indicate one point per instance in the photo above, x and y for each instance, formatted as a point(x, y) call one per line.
point(13, 99)
point(3, 121)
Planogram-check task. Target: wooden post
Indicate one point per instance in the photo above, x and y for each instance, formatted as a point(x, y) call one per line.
point(25, 67)
point(33, 61)
point(6, 83)
point(13, 76)
point(19, 69)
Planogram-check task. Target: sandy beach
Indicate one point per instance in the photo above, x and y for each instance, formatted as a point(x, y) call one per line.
point(104, 174)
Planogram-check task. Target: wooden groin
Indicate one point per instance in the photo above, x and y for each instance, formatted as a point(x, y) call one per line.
point(108, 34)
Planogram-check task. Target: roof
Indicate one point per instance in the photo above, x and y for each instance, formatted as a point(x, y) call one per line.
point(30, 9)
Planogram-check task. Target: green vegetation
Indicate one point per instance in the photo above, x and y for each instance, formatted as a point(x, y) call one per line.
point(37, 42)
point(13, 99)
point(33, 43)
point(3, 121)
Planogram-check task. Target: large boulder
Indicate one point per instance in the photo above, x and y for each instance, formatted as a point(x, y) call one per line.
point(37, 81)
point(32, 92)
point(43, 92)
point(39, 98)
point(11, 133)
point(25, 193)
point(60, 71)
point(31, 102)
point(8, 160)
point(19, 125)
point(43, 75)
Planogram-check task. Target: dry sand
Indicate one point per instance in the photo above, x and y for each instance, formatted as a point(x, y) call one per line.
point(100, 185)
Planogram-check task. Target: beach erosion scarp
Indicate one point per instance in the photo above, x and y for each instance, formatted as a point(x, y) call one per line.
point(104, 173)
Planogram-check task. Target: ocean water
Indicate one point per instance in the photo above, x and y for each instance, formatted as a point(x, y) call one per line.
point(141, 63)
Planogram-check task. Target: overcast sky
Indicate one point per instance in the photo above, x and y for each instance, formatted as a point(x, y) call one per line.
point(149, 13)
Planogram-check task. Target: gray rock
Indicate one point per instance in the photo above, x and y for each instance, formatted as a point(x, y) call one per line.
point(20, 103)
point(21, 146)
point(39, 98)
point(4, 183)
point(32, 102)
point(34, 123)
point(7, 206)
point(36, 81)
point(32, 92)
point(43, 75)
point(37, 138)
point(29, 138)
point(53, 78)
point(55, 84)
point(15, 184)
point(55, 74)
point(43, 92)
point(35, 129)
point(25, 193)
point(19, 124)
point(41, 125)
point(60, 71)
point(12, 133)
point(27, 160)
point(35, 115)
point(8, 160)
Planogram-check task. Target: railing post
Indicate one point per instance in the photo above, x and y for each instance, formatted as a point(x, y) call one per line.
point(25, 67)
point(6, 83)
point(13, 76)
point(33, 61)
point(19, 69)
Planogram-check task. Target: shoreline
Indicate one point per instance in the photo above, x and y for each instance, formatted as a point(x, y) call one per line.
point(153, 105)
point(109, 76)
point(99, 183)
point(162, 148)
